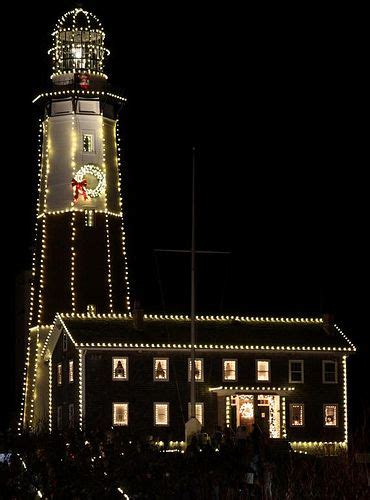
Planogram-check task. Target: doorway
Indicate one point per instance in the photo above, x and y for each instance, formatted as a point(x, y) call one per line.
point(260, 409)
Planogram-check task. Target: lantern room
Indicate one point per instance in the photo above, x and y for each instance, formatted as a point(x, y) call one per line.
point(78, 45)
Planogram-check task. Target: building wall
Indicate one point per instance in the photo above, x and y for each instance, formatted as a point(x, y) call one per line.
point(140, 391)
point(67, 393)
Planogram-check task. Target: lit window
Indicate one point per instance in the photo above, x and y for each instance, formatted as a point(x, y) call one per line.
point(199, 414)
point(161, 416)
point(199, 375)
point(65, 342)
point(59, 374)
point(59, 417)
point(120, 413)
point(91, 309)
point(70, 370)
point(229, 369)
point(71, 415)
point(329, 372)
point(296, 414)
point(120, 368)
point(263, 370)
point(89, 218)
point(88, 143)
point(160, 367)
point(296, 371)
point(330, 415)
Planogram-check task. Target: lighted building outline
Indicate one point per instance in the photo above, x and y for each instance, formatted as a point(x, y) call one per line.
point(80, 314)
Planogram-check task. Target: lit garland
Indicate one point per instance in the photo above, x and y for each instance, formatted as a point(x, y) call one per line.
point(73, 217)
point(228, 411)
point(50, 366)
point(95, 172)
point(345, 396)
point(83, 93)
point(124, 253)
point(283, 426)
point(251, 388)
point(81, 389)
point(76, 209)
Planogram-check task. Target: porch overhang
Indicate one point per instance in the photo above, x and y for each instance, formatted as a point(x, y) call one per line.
point(223, 390)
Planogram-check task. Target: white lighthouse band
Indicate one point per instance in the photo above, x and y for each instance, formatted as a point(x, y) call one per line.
point(95, 172)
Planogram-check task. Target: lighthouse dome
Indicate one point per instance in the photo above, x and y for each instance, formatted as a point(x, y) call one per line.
point(78, 44)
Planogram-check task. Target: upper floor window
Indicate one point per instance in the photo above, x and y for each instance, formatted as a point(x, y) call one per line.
point(120, 413)
point(296, 411)
point(70, 371)
point(331, 415)
point(296, 374)
point(161, 414)
point(229, 369)
point(59, 374)
point(160, 369)
point(263, 370)
point(88, 143)
point(199, 412)
point(198, 372)
point(120, 368)
point(329, 372)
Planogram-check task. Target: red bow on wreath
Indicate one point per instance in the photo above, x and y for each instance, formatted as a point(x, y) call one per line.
point(80, 188)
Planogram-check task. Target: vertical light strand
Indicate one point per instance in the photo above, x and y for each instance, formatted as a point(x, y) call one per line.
point(124, 253)
point(109, 263)
point(80, 389)
point(32, 287)
point(33, 386)
point(283, 405)
point(228, 411)
point(345, 396)
point(50, 393)
point(73, 218)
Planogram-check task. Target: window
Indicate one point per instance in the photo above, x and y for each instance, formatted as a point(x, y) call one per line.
point(331, 415)
point(160, 369)
point(296, 411)
point(71, 415)
point(120, 413)
point(59, 417)
point(229, 369)
point(329, 372)
point(91, 309)
point(199, 376)
point(59, 374)
point(161, 416)
point(199, 413)
point(120, 369)
point(263, 370)
point(89, 218)
point(70, 371)
point(296, 375)
point(88, 143)
point(65, 342)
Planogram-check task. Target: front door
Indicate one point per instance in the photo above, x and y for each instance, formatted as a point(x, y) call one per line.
point(262, 415)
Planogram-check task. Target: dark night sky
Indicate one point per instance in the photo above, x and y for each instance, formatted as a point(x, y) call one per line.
point(274, 102)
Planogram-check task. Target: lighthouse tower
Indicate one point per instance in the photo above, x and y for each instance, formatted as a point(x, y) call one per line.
point(79, 262)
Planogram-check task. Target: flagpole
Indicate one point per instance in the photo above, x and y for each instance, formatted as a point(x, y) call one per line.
point(192, 313)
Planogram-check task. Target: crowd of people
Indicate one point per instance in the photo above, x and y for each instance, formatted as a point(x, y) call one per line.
point(225, 465)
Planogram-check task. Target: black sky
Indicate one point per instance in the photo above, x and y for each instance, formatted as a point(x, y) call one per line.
point(274, 101)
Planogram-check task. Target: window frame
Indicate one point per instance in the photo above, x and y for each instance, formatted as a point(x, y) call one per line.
point(167, 414)
point(201, 403)
point(126, 377)
point(167, 369)
point(202, 370)
point(59, 374)
point(336, 415)
point(92, 135)
point(291, 414)
point(323, 371)
point(269, 370)
point(224, 360)
point(290, 371)
point(70, 381)
point(113, 414)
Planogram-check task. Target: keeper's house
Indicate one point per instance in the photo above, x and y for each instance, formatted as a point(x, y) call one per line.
point(288, 375)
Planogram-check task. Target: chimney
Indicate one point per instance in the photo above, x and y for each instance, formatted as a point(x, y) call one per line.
point(328, 322)
point(138, 316)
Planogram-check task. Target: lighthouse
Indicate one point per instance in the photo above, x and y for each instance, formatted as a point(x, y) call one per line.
point(79, 261)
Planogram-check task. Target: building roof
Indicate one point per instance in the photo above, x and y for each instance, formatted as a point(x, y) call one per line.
point(216, 333)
